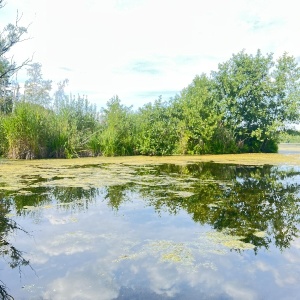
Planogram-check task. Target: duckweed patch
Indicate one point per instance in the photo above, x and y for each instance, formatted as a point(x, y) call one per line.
point(164, 251)
point(9, 215)
point(183, 194)
point(260, 234)
point(107, 171)
point(229, 240)
point(170, 251)
point(246, 199)
point(195, 255)
point(29, 207)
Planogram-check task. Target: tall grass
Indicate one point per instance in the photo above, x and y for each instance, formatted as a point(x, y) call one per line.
point(26, 131)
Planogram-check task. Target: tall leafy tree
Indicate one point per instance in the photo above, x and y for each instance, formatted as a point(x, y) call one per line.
point(157, 130)
point(118, 129)
point(200, 116)
point(60, 96)
point(259, 97)
point(36, 89)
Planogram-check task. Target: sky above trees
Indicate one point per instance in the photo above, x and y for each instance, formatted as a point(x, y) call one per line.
point(141, 49)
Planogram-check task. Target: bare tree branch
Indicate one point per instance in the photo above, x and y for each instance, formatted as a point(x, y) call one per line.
point(3, 293)
point(13, 68)
point(2, 4)
point(11, 35)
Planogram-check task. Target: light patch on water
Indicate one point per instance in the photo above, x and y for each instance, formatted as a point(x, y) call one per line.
point(129, 256)
point(260, 234)
point(229, 240)
point(183, 194)
point(186, 254)
point(24, 193)
point(178, 254)
point(212, 205)
point(9, 215)
point(170, 251)
point(32, 288)
point(29, 207)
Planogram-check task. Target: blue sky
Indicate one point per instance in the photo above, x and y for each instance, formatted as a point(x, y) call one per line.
point(141, 49)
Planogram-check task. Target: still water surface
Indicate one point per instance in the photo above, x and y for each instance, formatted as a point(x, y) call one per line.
point(196, 231)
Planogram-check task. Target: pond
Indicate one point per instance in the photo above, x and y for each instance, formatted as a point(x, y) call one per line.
point(115, 229)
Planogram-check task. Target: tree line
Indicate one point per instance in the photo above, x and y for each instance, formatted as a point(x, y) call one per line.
point(243, 106)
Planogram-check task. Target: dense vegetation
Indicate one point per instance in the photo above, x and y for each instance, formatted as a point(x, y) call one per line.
point(290, 136)
point(243, 106)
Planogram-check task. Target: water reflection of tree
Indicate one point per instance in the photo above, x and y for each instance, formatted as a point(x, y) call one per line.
point(30, 197)
point(78, 198)
point(7, 250)
point(117, 194)
point(264, 199)
point(243, 200)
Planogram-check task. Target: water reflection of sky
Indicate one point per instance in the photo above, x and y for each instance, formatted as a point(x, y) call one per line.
point(104, 253)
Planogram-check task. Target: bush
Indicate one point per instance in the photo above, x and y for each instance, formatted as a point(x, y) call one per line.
point(26, 131)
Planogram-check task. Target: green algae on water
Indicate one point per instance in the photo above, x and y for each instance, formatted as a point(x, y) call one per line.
point(107, 171)
point(260, 234)
point(228, 240)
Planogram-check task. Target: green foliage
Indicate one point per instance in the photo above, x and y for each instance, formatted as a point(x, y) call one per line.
point(290, 136)
point(117, 134)
point(3, 140)
point(156, 127)
point(94, 144)
point(32, 131)
point(200, 116)
point(62, 138)
point(72, 127)
point(223, 140)
point(242, 107)
point(26, 131)
point(259, 96)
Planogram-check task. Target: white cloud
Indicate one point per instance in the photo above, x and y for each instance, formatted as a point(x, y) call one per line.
point(100, 41)
point(236, 291)
point(286, 276)
point(83, 283)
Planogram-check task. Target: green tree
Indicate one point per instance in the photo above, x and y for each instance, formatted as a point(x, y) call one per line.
point(73, 125)
point(259, 97)
point(9, 37)
point(36, 89)
point(62, 125)
point(156, 129)
point(200, 116)
point(60, 96)
point(118, 129)
point(86, 118)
